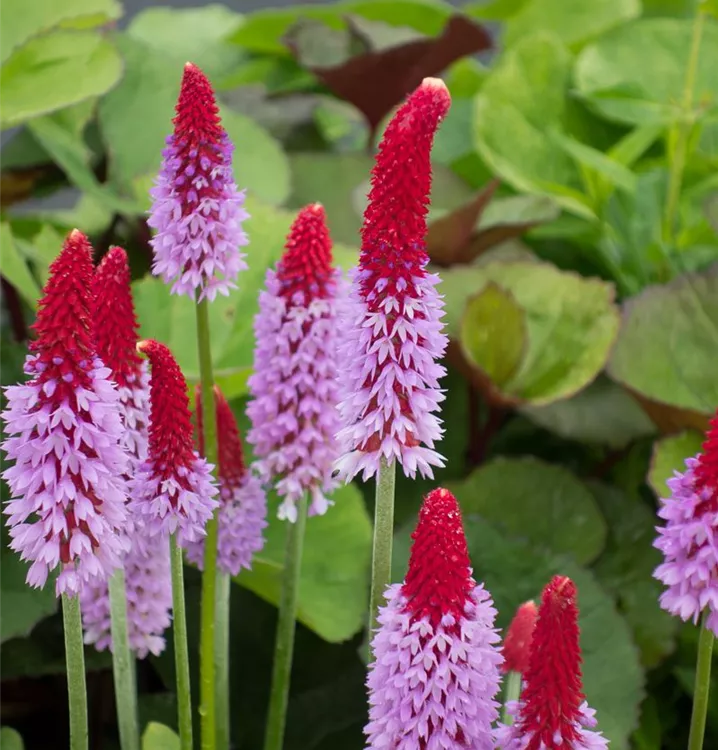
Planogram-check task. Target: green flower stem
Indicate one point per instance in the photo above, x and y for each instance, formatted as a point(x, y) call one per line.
point(75, 660)
point(683, 129)
point(284, 644)
point(221, 654)
point(383, 537)
point(512, 691)
point(702, 686)
point(208, 708)
point(179, 619)
point(122, 665)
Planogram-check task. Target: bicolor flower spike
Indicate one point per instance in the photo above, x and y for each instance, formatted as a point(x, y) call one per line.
point(146, 565)
point(65, 436)
point(689, 540)
point(197, 211)
point(242, 514)
point(395, 336)
point(552, 713)
point(436, 664)
point(294, 386)
point(173, 490)
point(517, 642)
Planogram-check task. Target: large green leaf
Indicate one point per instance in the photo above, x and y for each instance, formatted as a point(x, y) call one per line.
point(669, 456)
point(10, 739)
point(636, 73)
point(159, 737)
point(15, 269)
point(136, 117)
point(541, 503)
point(333, 587)
point(571, 323)
point(55, 71)
point(20, 21)
point(667, 348)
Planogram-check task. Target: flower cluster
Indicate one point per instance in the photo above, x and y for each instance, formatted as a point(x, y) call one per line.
point(517, 641)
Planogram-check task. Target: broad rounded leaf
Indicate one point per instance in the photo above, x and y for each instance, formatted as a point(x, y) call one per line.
point(636, 73)
point(669, 456)
point(10, 739)
point(159, 737)
point(667, 347)
point(333, 587)
point(54, 71)
point(541, 503)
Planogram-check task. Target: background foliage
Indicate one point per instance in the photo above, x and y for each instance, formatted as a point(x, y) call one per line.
point(573, 221)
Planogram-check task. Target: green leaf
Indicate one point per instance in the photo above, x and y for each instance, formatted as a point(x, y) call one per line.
point(626, 569)
point(41, 248)
point(669, 456)
point(15, 269)
point(667, 347)
point(538, 502)
point(522, 101)
point(636, 73)
point(577, 315)
point(573, 23)
point(21, 21)
point(333, 588)
point(10, 739)
point(159, 737)
point(55, 71)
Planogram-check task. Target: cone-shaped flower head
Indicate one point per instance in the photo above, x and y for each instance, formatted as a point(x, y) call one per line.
point(173, 490)
point(689, 540)
point(436, 664)
point(294, 410)
point(242, 511)
point(389, 354)
point(65, 437)
point(552, 713)
point(517, 642)
point(146, 564)
point(197, 209)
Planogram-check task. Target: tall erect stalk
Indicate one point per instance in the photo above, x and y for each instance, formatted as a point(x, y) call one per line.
point(75, 660)
point(221, 654)
point(284, 644)
point(702, 686)
point(179, 615)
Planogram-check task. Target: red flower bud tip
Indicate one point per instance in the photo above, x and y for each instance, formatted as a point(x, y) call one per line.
point(517, 643)
point(197, 120)
point(706, 471)
point(439, 580)
point(306, 266)
point(230, 462)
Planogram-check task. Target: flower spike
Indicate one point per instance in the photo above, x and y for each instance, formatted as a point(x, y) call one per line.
point(294, 386)
point(173, 490)
point(435, 673)
point(65, 437)
point(197, 209)
point(517, 643)
point(389, 355)
point(243, 505)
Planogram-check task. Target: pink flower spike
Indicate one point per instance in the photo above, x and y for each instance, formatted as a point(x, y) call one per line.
point(389, 356)
point(65, 436)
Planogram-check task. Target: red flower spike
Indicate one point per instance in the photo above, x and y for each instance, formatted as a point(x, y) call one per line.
point(394, 230)
point(197, 119)
point(114, 318)
point(306, 266)
point(552, 692)
point(170, 436)
point(438, 581)
point(517, 643)
point(706, 470)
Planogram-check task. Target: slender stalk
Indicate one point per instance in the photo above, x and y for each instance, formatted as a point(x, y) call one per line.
point(208, 710)
point(221, 654)
point(683, 129)
point(179, 617)
point(75, 660)
point(383, 537)
point(512, 691)
point(702, 686)
point(122, 665)
point(284, 644)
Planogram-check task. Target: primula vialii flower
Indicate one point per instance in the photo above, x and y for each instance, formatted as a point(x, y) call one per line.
point(552, 713)
point(517, 643)
point(197, 209)
point(294, 410)
point(66, 439)
point(389, 355)
point(689, 540)
point(242, 503)
point(147, 566)
point(436, 662)
point(172, 490)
